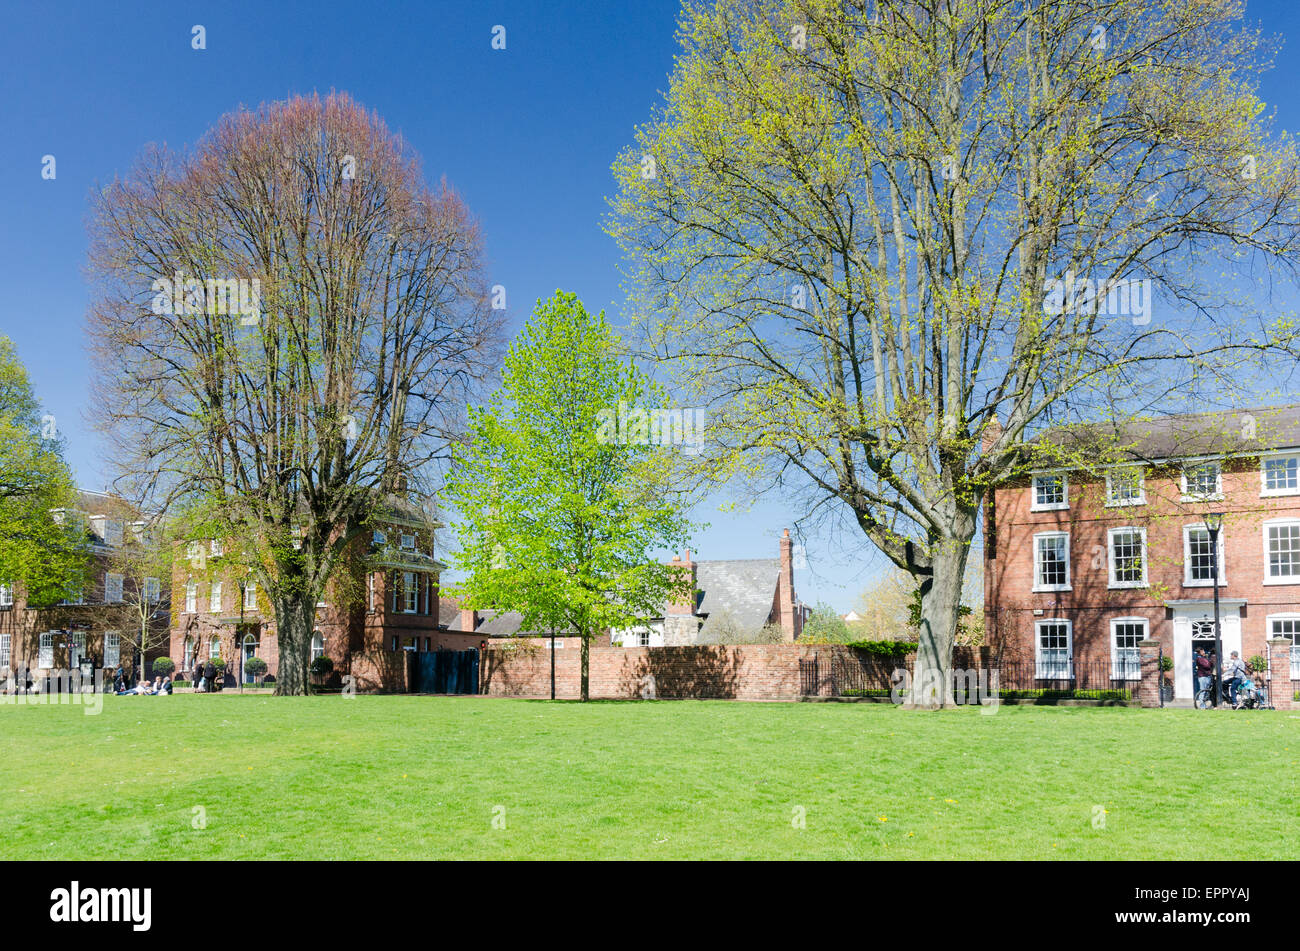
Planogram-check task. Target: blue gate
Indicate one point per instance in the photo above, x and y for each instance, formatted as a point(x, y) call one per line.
point(443, 671)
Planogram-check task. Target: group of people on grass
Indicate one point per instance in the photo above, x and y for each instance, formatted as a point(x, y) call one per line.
point(122, 686)
point(1236, 674)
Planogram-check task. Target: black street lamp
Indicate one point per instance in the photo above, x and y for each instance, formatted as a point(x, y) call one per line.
point(1213, 523)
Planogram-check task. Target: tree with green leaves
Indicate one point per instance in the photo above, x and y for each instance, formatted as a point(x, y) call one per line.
point(46, 559)
point(561, 496)
point(889, 243)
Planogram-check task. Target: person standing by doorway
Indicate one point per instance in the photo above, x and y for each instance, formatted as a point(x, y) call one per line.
point(1204, 670)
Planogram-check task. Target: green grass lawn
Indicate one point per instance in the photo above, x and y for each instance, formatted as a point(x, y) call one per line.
point(423, 777)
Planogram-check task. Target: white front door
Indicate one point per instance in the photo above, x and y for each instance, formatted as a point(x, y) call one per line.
point(1229, 635)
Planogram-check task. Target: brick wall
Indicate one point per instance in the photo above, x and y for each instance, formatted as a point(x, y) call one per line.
point(740, 672)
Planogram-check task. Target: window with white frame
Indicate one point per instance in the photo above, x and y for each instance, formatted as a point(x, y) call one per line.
point(113, 531)
point(1054, 643)
point(317, 645)
point(112, 648)
point(410, 592)
point(1282, 551)
point(1204, 480)
point(1280, 475)
point(1128, 557)
point(45, 656)
point(379, 539)
point(191, 597)
point(152, 590)
point(6, 596)
point(1051, 492)
point(112, 588)
point(1198, 557)
point(214, 648)
point(408, 543)
point(1126, 634)
point(6, 645)
point(371, 588)
point(1288, 626)
point(215, 548)
point(1126, 486)
point(74, 597)
point(1052, 561)
point(214, 598)
point(250, 595)
point(77, 648)
point(194, 552)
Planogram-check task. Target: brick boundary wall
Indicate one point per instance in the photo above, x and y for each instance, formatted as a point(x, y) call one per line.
point(735, 672)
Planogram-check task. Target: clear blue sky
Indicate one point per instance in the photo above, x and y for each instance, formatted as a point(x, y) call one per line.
point(526, 135)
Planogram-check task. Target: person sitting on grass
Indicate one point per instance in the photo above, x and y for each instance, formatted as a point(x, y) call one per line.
point(164, 687)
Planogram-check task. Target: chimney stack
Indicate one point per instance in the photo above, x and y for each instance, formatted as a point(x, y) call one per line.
point(468, 620)
point(785, 590)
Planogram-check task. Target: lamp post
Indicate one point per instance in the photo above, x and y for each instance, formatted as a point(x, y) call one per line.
point(552, 661)
point(1213, 523)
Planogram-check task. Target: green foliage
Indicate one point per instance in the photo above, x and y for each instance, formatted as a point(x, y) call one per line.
point(1166, 663)
point(255, 666)
point(216, 662)
point(825, 626)
point(47, 559)
point(559, 512)
point(322, 666)
point(892, 650)
point(1257, 663)
point(164, 666)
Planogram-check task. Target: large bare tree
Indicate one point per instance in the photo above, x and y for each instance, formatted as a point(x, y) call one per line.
point(287, 327)
point(890, 242)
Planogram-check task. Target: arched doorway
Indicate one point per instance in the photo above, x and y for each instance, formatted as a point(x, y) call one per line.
point(247, 653)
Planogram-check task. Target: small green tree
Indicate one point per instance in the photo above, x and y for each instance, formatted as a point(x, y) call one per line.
point(46, 558)
point(561, 500)
point(825, 626)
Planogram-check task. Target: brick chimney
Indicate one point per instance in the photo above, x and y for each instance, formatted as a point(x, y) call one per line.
point(785, 589)
point(686, 605)
point(680, 623)
point(992, 433)
point(468, 620)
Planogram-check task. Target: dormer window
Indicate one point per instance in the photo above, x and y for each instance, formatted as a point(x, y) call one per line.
point(113, 531)
point(1051, 492)
point(1202, 482)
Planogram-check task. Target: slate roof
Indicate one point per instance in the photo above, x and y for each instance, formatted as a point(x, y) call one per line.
point(1234, 432)
point(740, 591)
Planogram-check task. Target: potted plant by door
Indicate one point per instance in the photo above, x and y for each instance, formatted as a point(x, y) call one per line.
point(256, 667)
point(1167, 677)
point(321, 668)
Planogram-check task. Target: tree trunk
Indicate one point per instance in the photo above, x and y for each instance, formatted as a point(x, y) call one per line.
point(585, 654)
point(932, 680)
point(295, 618)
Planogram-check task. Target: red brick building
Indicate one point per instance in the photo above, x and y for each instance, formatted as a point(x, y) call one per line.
point(1083, 562)
point(98, 621)
point(365, 624)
